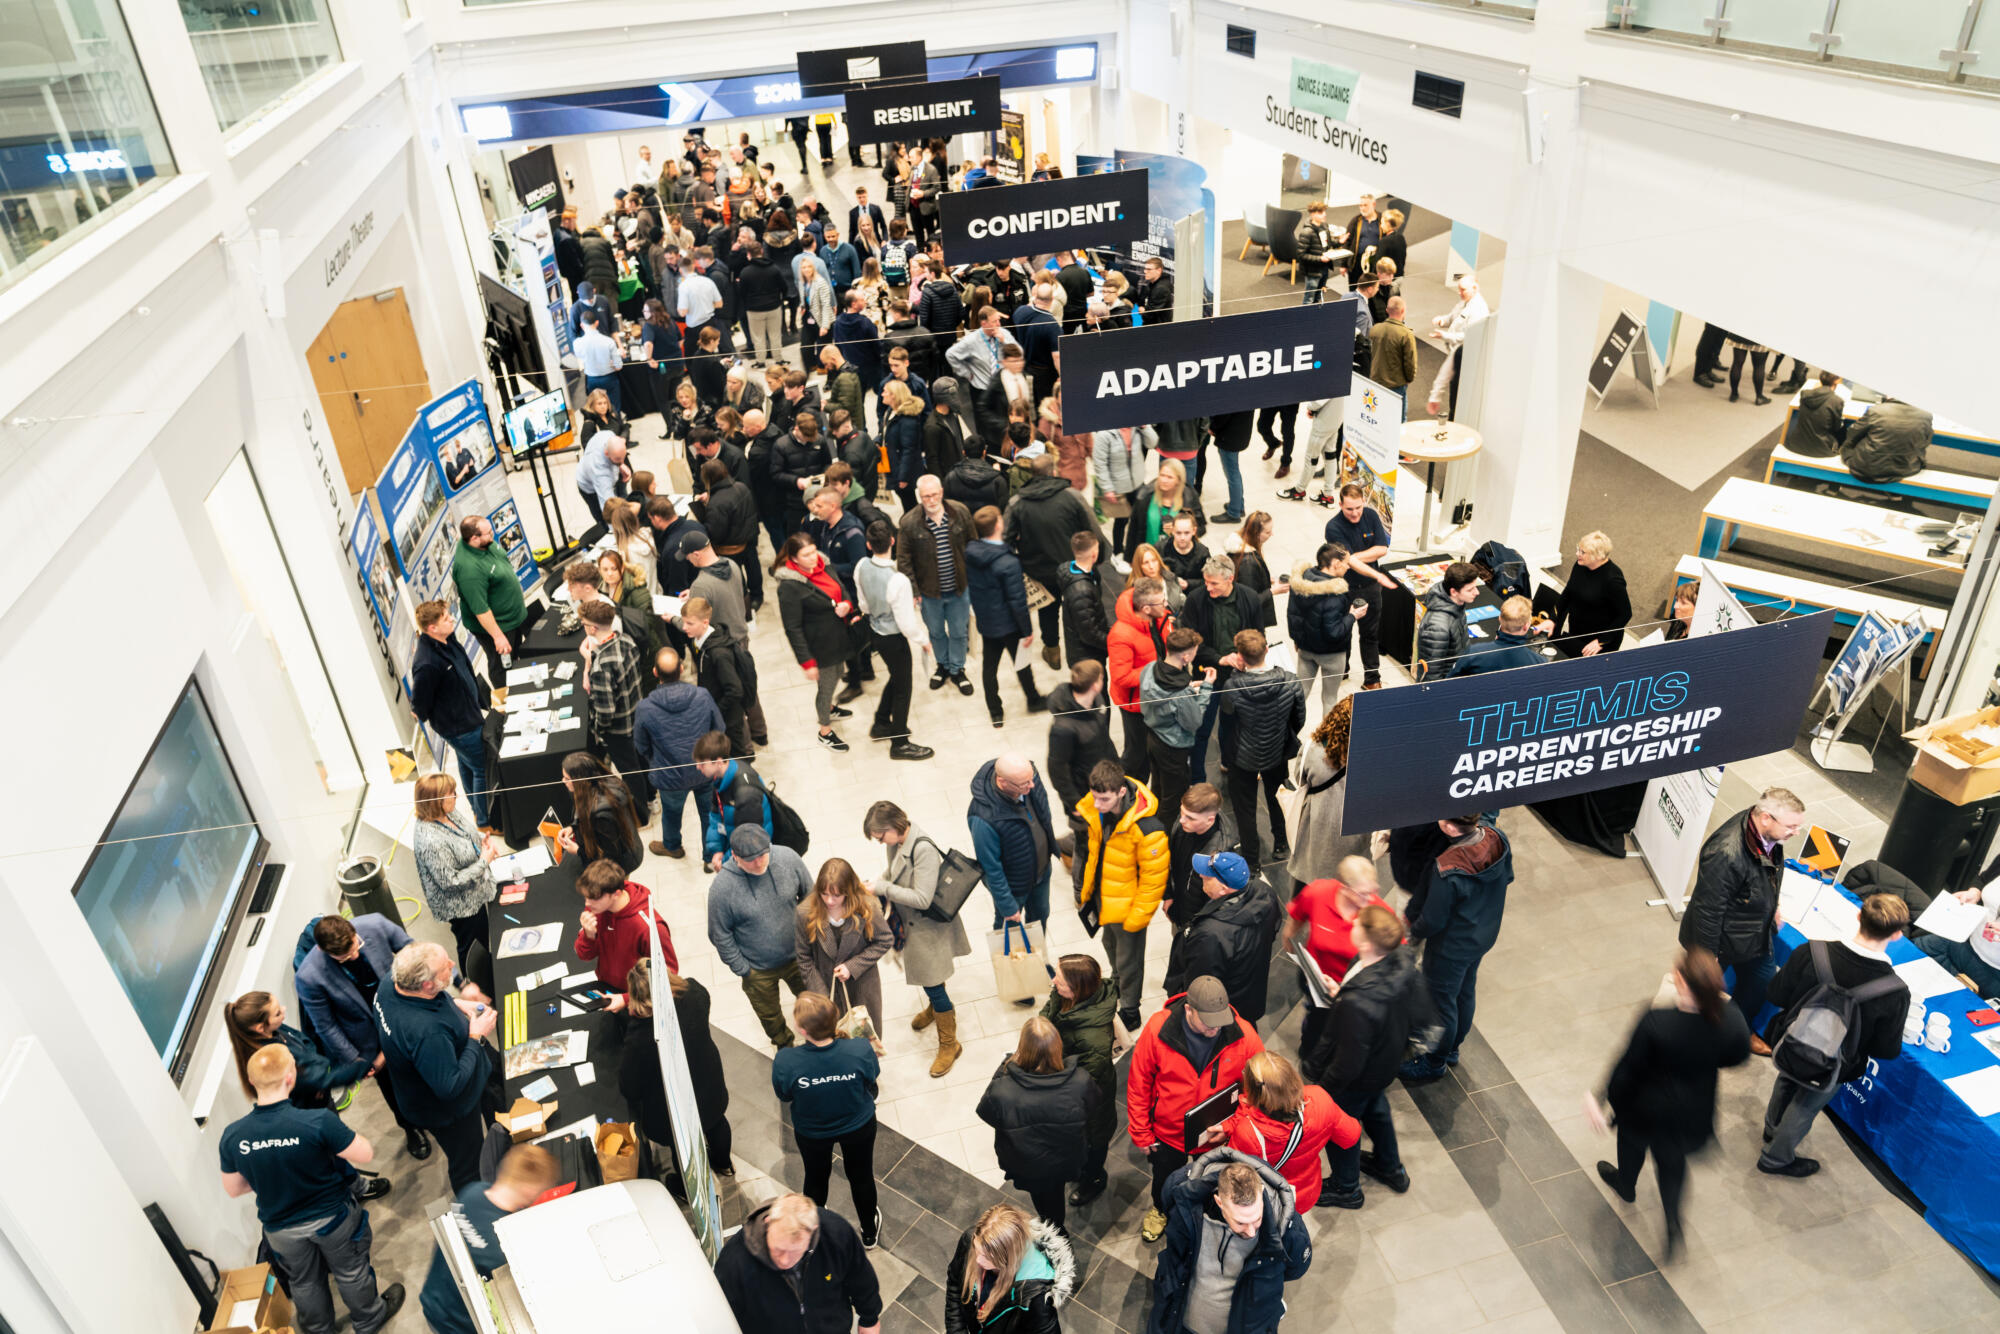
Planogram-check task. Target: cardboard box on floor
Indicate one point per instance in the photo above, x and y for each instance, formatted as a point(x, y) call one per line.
point(1953, 765)
point(251, 1303)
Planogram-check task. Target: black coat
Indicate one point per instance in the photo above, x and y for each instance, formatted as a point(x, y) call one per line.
point(1320, 612)
point(793, 460)
point(1730, 912)
point(760, 286)
point(1375, 1013)
point(1035, 1118)
point(1047, 513)
point(1198, 615)
point(600, 267)
point(816, 633)
point(939, 308)
point(1878, 1027)
point(919, 342)
point(443, 691)
point(1269, 706)
point(1031, 1306)
point(780, 412)
point(1233, 430)
point(999, 598)
point(1663, 1086)
point(639, 1079)
point(837, 1285)
point(1230, 939)
point(1593, 605)
point(1142, 500)
point(730, 516)
point(1086, 627)
point(976, 483)
point(944, 447)
point(725, 669)
point(1078, 739)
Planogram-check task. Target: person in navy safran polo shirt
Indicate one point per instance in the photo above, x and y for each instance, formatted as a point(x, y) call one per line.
point(1360, 529)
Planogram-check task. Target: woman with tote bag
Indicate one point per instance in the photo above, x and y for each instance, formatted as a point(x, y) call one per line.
point(930, 947)
point(842, 933)
point(1318, 841)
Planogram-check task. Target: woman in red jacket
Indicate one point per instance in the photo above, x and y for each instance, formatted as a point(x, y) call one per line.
point(1138, 626)
point(1286, 1122)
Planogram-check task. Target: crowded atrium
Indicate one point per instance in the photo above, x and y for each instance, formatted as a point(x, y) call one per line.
point(1158, 668)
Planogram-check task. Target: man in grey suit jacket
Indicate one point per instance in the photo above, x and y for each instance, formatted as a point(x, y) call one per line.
point(336, 983)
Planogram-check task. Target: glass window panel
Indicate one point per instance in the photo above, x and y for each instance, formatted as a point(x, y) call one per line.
point(254, 52)
point(1672, 15)
point(80, 136)
point(1777, 22)
point(1896, 32)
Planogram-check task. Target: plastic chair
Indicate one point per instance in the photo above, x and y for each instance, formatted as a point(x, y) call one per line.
point(1282, 225)
point(1255, 235)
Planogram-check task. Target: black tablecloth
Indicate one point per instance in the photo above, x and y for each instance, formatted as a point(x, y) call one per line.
point(1599, 819)
point(1399, 610)
point(644, 390)
point(552, 898)
point(543, 641)
point(525, 786)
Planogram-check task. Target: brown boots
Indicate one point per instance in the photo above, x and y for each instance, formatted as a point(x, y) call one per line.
point(948, 1048)
point(923, 1018)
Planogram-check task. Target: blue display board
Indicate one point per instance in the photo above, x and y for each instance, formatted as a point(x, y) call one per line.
point(621, 110)
point(453, 439)
point(378, 572)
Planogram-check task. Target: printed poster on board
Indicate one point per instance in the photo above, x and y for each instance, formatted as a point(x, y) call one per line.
point(1370, 448)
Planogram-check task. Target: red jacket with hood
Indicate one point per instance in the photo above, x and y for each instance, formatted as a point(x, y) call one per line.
point(620, 941)
point(1128, 649)
point(1260, 1135)
point(1163, 1085)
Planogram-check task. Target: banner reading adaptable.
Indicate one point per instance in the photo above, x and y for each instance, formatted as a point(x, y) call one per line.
point(1507, 738)
point(1044, 216)
point(1199, 368)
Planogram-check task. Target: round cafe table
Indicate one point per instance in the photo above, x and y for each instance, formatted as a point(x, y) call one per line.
point(1431, 442)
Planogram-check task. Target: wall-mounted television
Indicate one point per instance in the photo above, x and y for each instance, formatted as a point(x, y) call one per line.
point(164, 889)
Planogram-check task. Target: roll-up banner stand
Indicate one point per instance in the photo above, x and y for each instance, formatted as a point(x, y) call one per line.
point(537, 183)
point(1044, 216)
point(1199, 368)
point(937, 110)
point(1474, 743)
point(831, 73)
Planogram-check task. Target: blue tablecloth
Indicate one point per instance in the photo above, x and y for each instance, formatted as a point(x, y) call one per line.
point(1925, 1133)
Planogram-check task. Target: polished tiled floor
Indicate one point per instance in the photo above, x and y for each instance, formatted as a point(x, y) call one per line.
point(1506, 1226)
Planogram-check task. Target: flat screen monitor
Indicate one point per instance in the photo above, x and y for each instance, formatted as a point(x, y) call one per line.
point(164, 890)
point(540, 423)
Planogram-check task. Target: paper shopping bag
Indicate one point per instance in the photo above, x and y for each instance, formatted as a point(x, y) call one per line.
point(1020, 967)
point(618, 1151)
point(854, 1021)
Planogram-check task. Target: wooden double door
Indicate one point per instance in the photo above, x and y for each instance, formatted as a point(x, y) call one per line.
point(371, 380)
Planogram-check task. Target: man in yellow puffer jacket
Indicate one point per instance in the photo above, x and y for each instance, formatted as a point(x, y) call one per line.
point(1125, 869)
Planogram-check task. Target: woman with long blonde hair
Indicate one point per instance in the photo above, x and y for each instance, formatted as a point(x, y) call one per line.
point(842, 932)
point(1156, 504)
point(1319, 842)
point(1011, 1274)
point(1148, 564)
point(632, 539)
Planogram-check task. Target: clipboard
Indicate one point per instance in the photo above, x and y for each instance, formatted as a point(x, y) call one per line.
point(1316, 993)
point(1210, 1111)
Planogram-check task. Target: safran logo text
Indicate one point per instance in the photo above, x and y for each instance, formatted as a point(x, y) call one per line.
point(1207, 370)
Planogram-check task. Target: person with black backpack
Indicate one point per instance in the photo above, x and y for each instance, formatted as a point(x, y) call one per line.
point(1841, 1005)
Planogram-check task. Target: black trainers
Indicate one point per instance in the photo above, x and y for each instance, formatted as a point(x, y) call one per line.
point(839, 712)
point(832, 741)
point(372, 1188)
point(938, 678)
point(964, 686)
point(871, 1231)
point(905, 749)
point(878, 732)
point(392, 1298)
point(1398, 1180)
point(1798, 1167)
point(1609, 1176)
point(1330, 1198)
point(849, 693)
point(418, 1145)
point(1086, 1191)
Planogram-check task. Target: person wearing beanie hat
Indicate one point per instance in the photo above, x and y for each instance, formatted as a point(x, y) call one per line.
point(750, 922)
point(1230, 936)
point(1189, 1052)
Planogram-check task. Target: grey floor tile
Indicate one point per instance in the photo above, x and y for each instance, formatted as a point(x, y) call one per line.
point(900, 1319)
point(928, 1245)
point(1600, 1235)
point(1506, 1194)
point(1450, 1113)
point(892, 1274)
point(1501, 1286)
point(1570, 1289)
point(1525, 1131)
point(1428, 1305)
point(1479, 1067)
point(925, 1299)
point(1653, 1307)
point(945, 1189)
point(1118, 1294)
point(1438, 1241)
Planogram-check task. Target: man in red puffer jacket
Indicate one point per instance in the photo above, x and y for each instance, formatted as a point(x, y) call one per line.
point(1135, 640)
point(1187, 1053)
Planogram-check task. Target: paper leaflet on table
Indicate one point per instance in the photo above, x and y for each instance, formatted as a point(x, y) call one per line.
point(552, 1051)
point(531, 675)
point(1951, 919)
point(534, 699)
point(1980, 1090)
point(1927, 978)
point(524, 940)
point(524, 744)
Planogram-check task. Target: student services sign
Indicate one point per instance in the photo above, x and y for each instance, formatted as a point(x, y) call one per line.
point(1509, 738)
point(1198, 368)
point(1107, 209)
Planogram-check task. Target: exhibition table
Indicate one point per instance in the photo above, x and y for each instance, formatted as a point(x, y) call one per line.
point(1431, 442)
point(1920, 1129)
point(1401, 613)
point(642, 390)
point(525, 786)
point(1957, 489)
point(1805, 516)
point(552, 898)
point(1788, 595)
point(1945, 433)
point(543, 640)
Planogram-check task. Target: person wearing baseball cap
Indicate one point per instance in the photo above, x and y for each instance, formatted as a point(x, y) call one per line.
point(1189, 1051)
point(1229, 936)
point(751, 903)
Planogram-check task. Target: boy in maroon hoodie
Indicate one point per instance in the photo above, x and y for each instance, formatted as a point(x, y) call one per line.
point(612, 926)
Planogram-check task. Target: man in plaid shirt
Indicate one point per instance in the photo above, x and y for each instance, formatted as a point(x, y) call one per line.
point(611, 670)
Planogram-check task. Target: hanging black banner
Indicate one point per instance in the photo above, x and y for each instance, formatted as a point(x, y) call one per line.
point(831, 73)
point(537, 183)
point(1199, 368)
point(914, 111)
point(1044, 216)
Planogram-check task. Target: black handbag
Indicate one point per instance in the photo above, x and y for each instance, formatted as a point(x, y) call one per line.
point(957, 878)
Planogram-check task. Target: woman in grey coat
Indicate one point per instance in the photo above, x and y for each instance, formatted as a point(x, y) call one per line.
point(929, 946)
point(842, 933)
point(452, 863)
point(1319, 843)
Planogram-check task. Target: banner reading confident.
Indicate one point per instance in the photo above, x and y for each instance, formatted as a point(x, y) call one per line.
point(923, 110)
point(1104, 210)
point(1533, 733)
point(1198, 368)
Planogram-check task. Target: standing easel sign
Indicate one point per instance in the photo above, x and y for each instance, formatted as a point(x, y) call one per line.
point(1627, 340)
